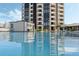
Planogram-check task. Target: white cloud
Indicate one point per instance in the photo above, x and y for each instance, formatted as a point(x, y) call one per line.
point(12, 15)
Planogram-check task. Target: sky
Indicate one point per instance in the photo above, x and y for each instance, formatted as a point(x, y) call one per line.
point(71, 13)
point(12, 12)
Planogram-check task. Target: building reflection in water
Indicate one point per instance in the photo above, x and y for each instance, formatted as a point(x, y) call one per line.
point(39, 43)
point(4, 36)
point(26, 39)
point(56, 43)
point(61, 49)
point(53, 44)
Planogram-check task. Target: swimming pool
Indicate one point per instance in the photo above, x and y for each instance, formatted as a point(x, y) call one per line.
point(36, 44)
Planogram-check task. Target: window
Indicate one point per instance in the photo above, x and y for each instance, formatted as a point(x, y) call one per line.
point(61, 19)
point(31, 3)
point(46, 15)
point(11, 25)
point(39, 18)
point(26, 19)
point(31, 19)
point(52, 5)
point(52, 23)
point(40, 27)
point(61, 7)
point(31, 15)
point(26, 5)
point(31, 11)
point(52, 18)
point(61, 28)
point(61, 4)
point(27, 10)
point(39, 14)
point(52, 10)
point(46, 6)
point(61, 15)
point(61, 23)
point(52, 28)
point(61, 11)
point(52, 14)
point(31, 7)
point(39, 10)
point(39, 6)
point(39, 23)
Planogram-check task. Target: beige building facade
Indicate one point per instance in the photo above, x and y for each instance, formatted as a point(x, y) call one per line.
point(45, 16)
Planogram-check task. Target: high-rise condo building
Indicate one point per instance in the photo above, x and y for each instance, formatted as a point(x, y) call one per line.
point(45, 16)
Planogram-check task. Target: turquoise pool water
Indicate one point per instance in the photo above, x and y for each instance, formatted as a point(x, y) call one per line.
point(37, 44)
